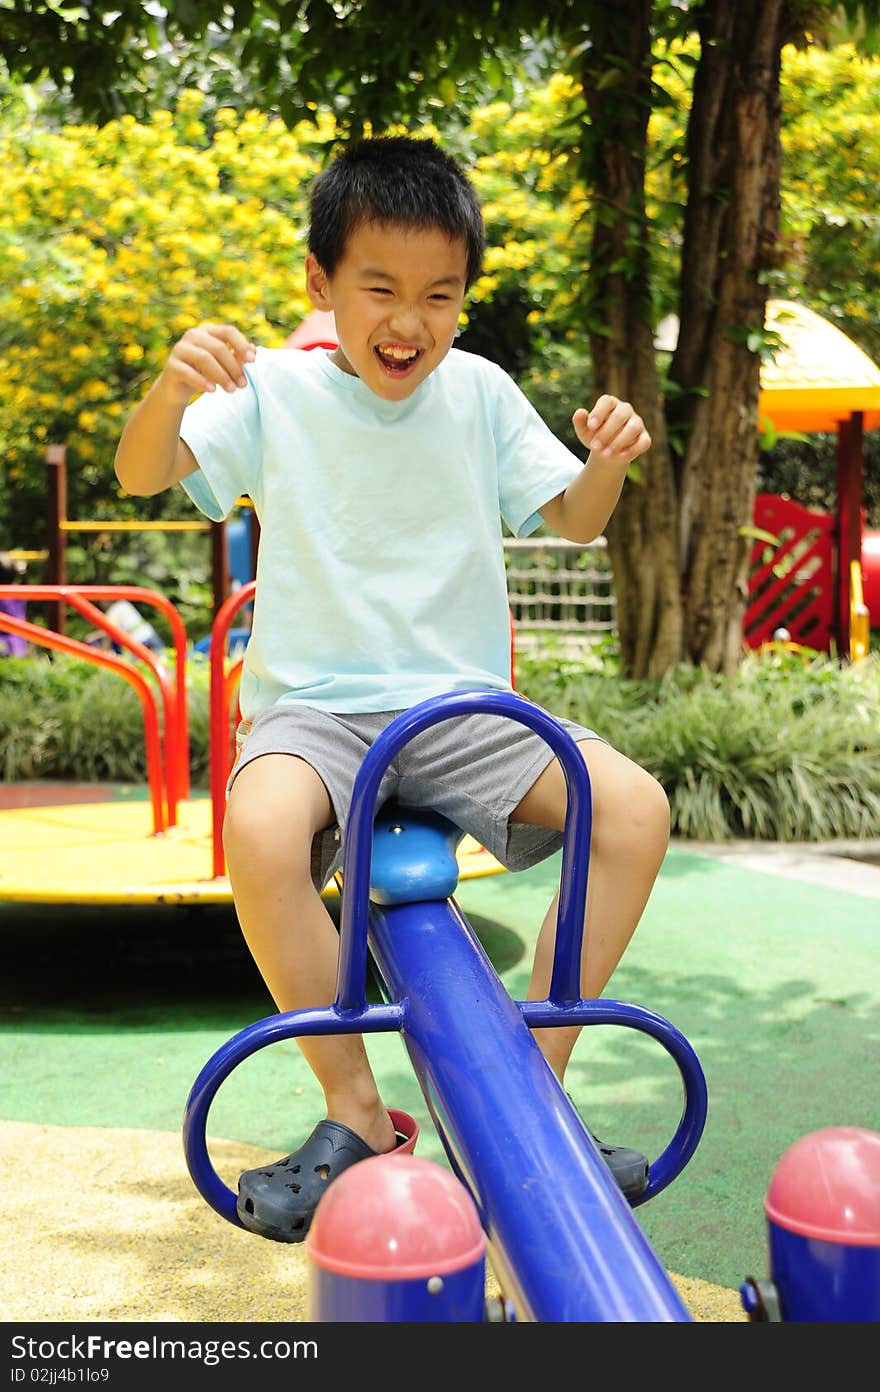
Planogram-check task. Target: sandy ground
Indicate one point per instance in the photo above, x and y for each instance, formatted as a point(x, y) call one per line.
point(113, 1227)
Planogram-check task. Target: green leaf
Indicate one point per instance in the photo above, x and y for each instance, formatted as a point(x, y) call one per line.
point(769, 434)
point(758, 534)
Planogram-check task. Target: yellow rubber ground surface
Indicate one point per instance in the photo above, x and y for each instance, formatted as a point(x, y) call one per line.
point(105, 853)
point(106, 1225)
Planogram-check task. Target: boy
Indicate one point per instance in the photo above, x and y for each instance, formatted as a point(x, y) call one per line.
point(380, 474)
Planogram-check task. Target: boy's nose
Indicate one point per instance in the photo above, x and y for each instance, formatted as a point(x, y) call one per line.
point(406, 321)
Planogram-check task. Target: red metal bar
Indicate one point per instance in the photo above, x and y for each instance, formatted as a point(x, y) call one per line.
point(45, 637)
point(170, 741)
point(231, 684)
point(178, 731)
point(219, 719)
point(139, 595)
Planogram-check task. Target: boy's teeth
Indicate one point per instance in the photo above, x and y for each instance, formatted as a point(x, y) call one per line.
point(400, 353)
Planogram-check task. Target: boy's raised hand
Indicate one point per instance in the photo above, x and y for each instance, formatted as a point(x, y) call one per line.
point(205, 358)
point(612, 430)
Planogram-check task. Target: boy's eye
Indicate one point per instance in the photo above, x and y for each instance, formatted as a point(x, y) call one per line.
point(379, 290)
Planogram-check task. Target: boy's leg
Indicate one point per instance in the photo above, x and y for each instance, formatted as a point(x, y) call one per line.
point(277, 803)
point(630, 835)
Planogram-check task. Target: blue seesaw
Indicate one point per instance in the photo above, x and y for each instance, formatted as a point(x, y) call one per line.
point(563, 1241)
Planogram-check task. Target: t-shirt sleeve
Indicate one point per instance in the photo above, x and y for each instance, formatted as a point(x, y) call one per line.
point(533, 465)
point(223, 431)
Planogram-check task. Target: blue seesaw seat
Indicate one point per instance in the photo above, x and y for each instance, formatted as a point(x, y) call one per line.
point(414, 856)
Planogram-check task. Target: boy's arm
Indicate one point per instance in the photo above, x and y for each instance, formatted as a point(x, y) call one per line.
point(615, 436)
point(151, 456)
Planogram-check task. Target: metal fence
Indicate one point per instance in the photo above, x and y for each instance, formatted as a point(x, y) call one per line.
point(561, 592)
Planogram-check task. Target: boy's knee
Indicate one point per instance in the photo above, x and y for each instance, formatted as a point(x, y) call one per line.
point(255, 837)
point(654, 806)
point(635, 810)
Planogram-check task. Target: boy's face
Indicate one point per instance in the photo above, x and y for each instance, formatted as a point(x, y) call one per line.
point(396, 297)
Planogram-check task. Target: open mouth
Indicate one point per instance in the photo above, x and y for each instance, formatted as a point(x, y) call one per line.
point(396, 360)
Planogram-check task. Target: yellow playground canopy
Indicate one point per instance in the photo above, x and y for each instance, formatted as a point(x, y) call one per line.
point(819, 378)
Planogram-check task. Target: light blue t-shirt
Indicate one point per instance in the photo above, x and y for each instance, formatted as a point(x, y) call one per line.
point(380, 574)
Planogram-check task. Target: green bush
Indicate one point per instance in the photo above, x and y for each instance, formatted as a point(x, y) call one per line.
point(783, 752)
point(787, 751)
point(64, 719)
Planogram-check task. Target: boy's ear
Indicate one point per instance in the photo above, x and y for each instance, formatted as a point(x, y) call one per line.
point(316, 284)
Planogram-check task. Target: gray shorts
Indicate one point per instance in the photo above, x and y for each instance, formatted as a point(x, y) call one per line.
point(474, 770)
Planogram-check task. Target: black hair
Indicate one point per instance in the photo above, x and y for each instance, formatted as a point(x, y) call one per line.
point(397, 179)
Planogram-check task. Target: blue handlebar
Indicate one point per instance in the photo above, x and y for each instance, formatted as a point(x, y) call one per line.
point(565, 980)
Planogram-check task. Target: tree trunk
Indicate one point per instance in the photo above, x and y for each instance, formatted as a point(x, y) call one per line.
point(642, 532)
point(730, 237)
point(676, 540)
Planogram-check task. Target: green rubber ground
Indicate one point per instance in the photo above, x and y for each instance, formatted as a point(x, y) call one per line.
point(106, 1017)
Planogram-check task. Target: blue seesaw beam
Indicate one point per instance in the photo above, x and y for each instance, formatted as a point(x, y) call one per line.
point(563, 1241)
